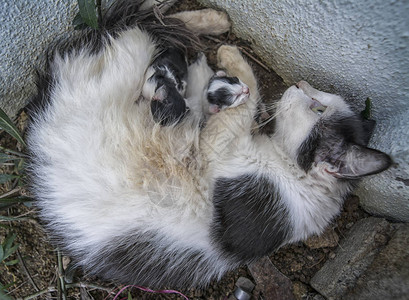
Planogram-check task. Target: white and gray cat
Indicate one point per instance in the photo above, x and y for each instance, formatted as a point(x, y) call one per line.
point(135, 202)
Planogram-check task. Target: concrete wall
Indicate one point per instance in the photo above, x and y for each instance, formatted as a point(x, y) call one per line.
point(26, 29)
point(357, 49)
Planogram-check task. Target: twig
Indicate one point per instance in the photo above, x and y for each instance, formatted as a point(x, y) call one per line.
point(255, 59)
point(12, 192)
point(89, 286)
point(216, 40)
point(26, 213)
point(61, 281)
point(23, 264)
point(17, 218)
point(309, 267)
point(158, 15)
point(10, 292)
point(19, 154)
point(39, 293)
point(213, 39)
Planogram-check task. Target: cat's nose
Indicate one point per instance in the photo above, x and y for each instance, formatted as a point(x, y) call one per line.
point(302, 84)
point(245, 90)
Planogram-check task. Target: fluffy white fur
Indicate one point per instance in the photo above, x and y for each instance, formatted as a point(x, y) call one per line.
point(199, 74)
point(103, 169)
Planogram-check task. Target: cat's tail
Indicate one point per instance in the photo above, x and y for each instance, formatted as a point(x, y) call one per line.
point(119, 17)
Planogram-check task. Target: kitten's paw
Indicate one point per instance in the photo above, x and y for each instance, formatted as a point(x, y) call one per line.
point(229, 58)
point(205, 21)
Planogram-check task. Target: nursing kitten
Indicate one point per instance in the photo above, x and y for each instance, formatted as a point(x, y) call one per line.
point(178, 206)
point(209, 93)
point(224, 91)
point(166, 87)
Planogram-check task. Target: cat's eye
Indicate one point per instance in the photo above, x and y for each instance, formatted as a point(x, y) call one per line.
point(319, 110)
point(317, 107)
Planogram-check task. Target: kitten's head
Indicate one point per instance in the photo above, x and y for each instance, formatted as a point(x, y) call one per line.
point(319, 131)
point(224, 92)
point(167, 105)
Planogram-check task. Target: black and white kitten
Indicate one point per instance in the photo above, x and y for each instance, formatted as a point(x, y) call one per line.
point(209, 93)
point(224, 91)
point(178, 206)
point(166, 86)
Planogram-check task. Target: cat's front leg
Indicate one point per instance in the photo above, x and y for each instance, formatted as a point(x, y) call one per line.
point(205, 21)
point(199, 74)
point(224, 130)
point(230, 59)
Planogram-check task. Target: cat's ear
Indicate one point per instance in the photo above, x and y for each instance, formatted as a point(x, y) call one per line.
point(214, 108)
point(368, 129)
point(221, 74)
point(160, 94)
point(359, 161)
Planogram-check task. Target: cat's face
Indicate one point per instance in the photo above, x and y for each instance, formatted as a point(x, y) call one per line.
point(318, 130)
point(224, 92)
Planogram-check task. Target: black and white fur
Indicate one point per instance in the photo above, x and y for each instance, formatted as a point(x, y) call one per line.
point(166, 86)
point(178, 206)
point(224, 91)
point(209, 93)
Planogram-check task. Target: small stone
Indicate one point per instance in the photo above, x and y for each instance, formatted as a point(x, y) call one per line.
point(296, 266)
point(327, 239)
point(300, 290)
point(381, 239)
point(245, 284)
point(270, 281)
point(65, 262)
point(387, 277)
point(350, 260)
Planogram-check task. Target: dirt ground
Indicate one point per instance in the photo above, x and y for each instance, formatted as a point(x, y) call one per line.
point(37, 269)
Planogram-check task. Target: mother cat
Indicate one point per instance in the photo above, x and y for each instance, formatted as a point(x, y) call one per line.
point(135, 202)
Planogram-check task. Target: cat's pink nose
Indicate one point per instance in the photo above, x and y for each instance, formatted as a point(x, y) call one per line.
point(245, 90)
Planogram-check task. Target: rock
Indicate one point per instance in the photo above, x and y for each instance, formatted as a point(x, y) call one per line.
point(327, 239)
point(362, 250)
point(388, 275)
point(244, 289)
point(300, 290)
point(271, 282)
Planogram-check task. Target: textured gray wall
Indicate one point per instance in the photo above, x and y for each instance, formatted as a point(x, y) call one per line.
point(357, 49)
point(26, 27)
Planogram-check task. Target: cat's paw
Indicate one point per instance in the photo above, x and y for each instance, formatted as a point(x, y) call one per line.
point(206, 21)
point(229, 58)
point(218, 21)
